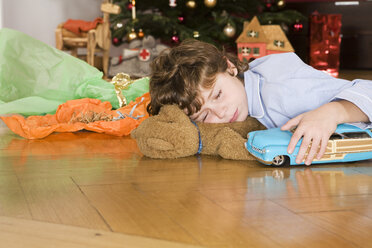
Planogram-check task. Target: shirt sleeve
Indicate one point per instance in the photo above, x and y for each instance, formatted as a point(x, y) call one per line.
point(291, 87)
point(360, 93)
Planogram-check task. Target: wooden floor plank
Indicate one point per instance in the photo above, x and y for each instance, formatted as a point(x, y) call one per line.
point(285, 227)
point(326, 203)
point(59, 200)
point(129, 211)
point(19, 233)
point(208, 222)
point(347, 224)
point(12, 199)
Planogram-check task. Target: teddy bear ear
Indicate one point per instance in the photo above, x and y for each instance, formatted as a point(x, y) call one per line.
point(149, 41)
point(172, 113)
point(135, 44)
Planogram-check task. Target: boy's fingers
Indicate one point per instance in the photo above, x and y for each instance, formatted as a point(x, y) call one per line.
point(294, 140)
point(303, 148)
point(322, 149)
point(313, 151)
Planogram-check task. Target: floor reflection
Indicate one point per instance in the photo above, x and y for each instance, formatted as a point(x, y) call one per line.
point(309, 182)
point(62, 145)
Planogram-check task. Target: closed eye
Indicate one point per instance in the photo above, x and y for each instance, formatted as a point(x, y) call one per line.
point(219, 94)
point(205, 117)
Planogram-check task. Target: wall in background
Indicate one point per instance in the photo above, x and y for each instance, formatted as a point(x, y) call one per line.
point(1, 13)
point(39, 18)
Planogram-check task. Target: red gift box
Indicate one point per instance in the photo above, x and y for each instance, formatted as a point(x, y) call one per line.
point(325, 40)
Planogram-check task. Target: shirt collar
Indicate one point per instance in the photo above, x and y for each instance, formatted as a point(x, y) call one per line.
point(252, 88)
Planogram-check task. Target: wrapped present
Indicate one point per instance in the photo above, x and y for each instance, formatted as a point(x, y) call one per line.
point(325, 40)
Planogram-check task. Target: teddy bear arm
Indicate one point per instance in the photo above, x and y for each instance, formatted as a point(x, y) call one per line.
point(231, 145)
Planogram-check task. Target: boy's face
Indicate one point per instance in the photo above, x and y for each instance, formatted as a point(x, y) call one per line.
point(225, 102)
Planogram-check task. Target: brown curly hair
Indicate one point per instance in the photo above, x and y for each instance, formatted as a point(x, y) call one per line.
point(178, 72)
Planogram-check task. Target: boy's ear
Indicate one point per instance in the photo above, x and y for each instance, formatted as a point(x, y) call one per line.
point(231, 68)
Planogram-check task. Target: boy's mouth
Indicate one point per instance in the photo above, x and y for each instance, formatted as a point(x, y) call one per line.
point(235, 116)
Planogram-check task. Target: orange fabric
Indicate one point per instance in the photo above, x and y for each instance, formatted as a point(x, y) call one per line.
point(36, 127)
point(78, 26)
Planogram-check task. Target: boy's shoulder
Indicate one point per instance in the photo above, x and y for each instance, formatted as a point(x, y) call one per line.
point(277, 66)
point(282, 58)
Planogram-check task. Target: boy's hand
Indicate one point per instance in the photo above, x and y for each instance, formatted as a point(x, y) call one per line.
point(315, 127)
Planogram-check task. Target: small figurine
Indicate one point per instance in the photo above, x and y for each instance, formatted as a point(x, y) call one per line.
point(121, 82)
point(135, 60)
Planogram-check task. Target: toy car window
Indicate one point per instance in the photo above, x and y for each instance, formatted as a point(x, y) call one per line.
point(357, 135)
point(336, 136)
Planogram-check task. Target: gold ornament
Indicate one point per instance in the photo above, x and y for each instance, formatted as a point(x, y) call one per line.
point(132, 35)
point(121, 82)
point(229, 30)
point(280, 3)
point(141, 34)
point(191, 4)
point(210, 3)
point(196, 34)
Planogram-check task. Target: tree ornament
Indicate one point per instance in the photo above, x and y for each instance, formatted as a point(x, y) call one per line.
point(175, 39)
point(141, 34)
point(181, 19)
point(268, 3)
point(172, 3)
point(229, 30)
point(284, 27)
point(210, 3)
point(298, 26)
point(129, 6)
point(191, 4)
point(132, 35)
point(280, 3)
point(196, 34)
point(115, 41)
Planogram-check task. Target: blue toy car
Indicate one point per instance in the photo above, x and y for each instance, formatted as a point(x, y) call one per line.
point(348, 143)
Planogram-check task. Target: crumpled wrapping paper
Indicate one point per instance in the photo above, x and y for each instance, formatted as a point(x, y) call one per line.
point(70, 117)
point(36, 78)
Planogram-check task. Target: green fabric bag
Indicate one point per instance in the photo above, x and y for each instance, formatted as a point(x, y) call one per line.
point(35, 78)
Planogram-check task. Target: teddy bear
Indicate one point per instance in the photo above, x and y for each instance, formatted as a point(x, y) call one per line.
point(135, 60)
point(171, 134)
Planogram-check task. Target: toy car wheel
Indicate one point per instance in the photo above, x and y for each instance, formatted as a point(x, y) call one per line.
point(280, 160)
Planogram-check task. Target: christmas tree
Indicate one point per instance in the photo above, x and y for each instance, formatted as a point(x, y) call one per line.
point(215, 21)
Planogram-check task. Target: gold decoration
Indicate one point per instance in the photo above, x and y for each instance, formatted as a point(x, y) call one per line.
point(281, 3)
point(132, 35)
point(229, 30)
point(191, 4)
point(210, 3)
point(196, 34)
point(121, 82)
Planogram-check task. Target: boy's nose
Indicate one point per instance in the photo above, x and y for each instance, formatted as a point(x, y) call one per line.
point(220, 112)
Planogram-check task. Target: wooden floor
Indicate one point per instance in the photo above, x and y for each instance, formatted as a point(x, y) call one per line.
point(93, 190)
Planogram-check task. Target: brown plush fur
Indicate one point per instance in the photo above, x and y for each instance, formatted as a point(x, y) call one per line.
point(171, 134)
